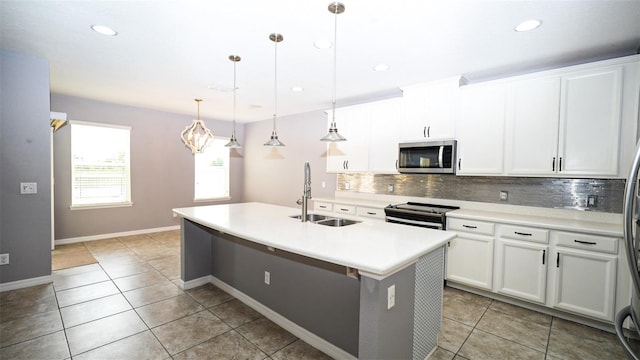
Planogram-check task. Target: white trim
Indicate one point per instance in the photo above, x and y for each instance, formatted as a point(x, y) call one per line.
point(222, 198)
point(305, 335)
point(19, 284)
point(101, 206)
point(113, 235)
point(88, 123)
point(193, 283)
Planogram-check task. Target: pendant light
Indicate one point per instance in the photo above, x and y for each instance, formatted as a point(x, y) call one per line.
point(333, 135)
point(233, 143)
point(273, 141)
point(196, 136)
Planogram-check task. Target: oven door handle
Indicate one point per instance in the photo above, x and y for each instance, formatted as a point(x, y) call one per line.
point(432, 225)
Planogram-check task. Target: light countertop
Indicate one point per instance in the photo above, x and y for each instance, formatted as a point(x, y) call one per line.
point(377, 249)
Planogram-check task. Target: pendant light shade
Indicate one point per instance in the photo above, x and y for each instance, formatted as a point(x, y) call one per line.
point(273, 141)
point(196, 136)
point(333, 135)
point(233, 142)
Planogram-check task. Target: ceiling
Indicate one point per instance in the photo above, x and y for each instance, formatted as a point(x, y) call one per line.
point(167, 53)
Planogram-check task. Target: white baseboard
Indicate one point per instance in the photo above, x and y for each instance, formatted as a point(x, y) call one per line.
point(19, 284)
point(113, 235)
point(307, 336)
point(193, 283)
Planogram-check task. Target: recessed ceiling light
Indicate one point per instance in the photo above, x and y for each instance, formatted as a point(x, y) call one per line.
point(322, 44)
point(297, 89)
point(528, 25)
point(381, 67)
point(104, 30)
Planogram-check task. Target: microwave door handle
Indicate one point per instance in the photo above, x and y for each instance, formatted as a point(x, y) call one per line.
point(440, 151)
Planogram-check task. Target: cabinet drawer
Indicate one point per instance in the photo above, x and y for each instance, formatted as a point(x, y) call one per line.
point(471, 226)
point(370, 212)
point(344, 209)
point(588, 242)
point(524, 233)
point(322, 206)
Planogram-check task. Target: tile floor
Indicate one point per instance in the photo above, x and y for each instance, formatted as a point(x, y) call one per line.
point(127, 306)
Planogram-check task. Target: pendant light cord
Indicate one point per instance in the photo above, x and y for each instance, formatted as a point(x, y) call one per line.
point(335, 51)
point(275, 87)
point(234, 97)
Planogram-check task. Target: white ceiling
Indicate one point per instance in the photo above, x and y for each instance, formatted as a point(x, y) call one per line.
point(169, 52)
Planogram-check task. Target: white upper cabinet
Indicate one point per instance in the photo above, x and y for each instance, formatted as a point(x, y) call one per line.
point(429, 110)
point(590, 108)
point(480, 129)
point(371, 130)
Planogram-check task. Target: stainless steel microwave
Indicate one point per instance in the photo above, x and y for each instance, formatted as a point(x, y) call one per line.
point(428, 157)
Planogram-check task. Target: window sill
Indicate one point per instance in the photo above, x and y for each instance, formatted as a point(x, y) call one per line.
point(225, 198)
point(100, 206)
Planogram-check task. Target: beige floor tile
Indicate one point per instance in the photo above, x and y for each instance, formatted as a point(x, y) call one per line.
point(228, 346)
point(186, 332)
point(103, 245)
point(33, 292)
point(266, 335)
point(106, 255)
point(484, 346)
point(521, 313)
point(140, 346)
point(77, 270)
point(569, 340)
point(118, 270)
point(209, 295)
point(52, 346)
point(300, 350)
point(68, 248)
point(150, 294)
point(25, 302)
point(169, 266)
point(166, 235)
point(72, 281)
point(136, 281)
point(453, 334)
point(29, 327)
point(136, 240)
point(235, 313)
point(168, 310)
point(464, 307)
point(93, 310)
point(513, 328)
point(86, 293)
point(94, 334)
point(441, 354)
point(154, 252)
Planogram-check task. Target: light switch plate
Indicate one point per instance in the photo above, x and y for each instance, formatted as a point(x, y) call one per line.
point(28, 188)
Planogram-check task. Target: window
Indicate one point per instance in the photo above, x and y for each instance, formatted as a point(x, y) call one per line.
point(212, 171)
point(100, 167)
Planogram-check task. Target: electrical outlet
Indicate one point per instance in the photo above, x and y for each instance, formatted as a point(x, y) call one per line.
point(4, 259)
point(592, 201)
point(347, 186)
point(391, 297)
point(504, 196)
point(28, 188)
point(267, 278)
point(391, 188)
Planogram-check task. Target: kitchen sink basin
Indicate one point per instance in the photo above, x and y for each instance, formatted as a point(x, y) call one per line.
point(335, 222)
point(311, 217)
point(326, 220)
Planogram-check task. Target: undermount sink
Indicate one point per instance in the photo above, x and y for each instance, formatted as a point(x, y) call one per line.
point(311, 217)
point(326, 220)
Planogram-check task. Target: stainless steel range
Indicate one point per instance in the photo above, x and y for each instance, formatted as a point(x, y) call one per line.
point(418, 214)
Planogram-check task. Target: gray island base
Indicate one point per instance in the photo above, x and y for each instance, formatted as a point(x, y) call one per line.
point(333, 307)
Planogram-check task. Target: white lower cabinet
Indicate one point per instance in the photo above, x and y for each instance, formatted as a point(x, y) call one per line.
point(585, 281)
point(521, 269)
point(470, 254)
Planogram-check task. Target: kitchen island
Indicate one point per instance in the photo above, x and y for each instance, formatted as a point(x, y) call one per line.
point(371, 290)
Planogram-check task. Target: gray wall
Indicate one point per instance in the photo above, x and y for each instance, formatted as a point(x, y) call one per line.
point(25, 156)
point(275, 175)
point(162, 168)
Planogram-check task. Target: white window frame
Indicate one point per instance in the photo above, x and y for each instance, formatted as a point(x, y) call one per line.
point(126, 200)
point(225, 195)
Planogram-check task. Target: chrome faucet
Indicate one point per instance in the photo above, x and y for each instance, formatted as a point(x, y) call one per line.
point(306, 193)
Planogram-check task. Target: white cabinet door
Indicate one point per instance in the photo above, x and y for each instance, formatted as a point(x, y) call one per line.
point(585, 282)
point(480, 129)
point(384, 117)
point(470, 260)
point(429, 110)
point(351, 155)
point(532, 127)
point(521, 269)
point(590, 122)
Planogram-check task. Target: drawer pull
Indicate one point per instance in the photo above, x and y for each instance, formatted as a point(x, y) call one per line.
point(371, 213)
point(322, 206)
point(544, 252)
point(469, 226)
point(558, 261)
point(343, 209)
point(521, 233)
point(585, 242)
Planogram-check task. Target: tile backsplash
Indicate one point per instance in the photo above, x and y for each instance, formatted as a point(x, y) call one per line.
point(538, 192)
